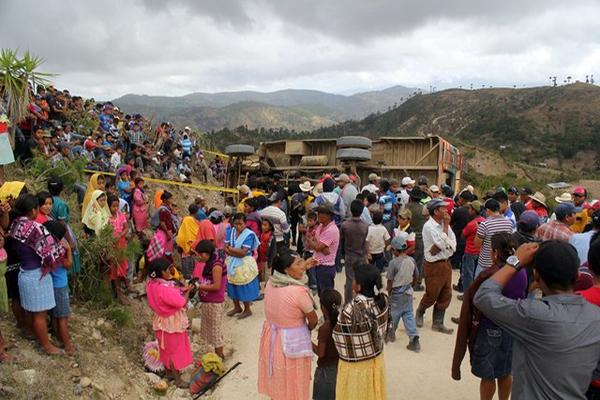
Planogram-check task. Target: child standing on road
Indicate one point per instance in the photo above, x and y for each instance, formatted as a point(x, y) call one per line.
point(401, 277)
point(377, 239)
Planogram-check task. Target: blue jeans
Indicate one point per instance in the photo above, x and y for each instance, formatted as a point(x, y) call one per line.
point(467, 271)
point(401, 306)
point(325, 277)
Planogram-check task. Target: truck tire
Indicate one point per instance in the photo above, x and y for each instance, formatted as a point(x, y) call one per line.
point(239, 150)
point(359, 142)
point(352, 154)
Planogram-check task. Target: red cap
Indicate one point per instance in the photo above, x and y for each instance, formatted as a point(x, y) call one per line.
point(595, 205)
point(580, 190)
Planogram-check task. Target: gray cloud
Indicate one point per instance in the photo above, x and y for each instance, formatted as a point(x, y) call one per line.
point(113, 47)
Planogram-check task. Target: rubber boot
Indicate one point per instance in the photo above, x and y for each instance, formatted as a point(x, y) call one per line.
point(438, 322)
point(419, 317)
point(414, 344)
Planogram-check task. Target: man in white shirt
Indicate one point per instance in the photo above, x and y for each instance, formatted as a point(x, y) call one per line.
point(348, 193)
point(406, 185)
point(372, 186)
point(439, 244)
point(279, 220)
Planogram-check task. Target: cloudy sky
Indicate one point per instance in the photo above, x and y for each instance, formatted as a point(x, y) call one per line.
point(109, 48)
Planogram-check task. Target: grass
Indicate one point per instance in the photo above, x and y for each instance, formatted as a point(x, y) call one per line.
point(121, 316)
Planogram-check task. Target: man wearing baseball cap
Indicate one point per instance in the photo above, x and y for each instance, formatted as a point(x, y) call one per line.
point(439, 244)
point(373, 186)
point(406, 185)
point(582, 217)
point(558, 229)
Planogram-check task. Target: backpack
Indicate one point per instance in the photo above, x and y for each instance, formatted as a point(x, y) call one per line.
point(155, 219)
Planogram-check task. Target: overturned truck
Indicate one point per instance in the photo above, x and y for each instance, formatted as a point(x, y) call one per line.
point(389, 157)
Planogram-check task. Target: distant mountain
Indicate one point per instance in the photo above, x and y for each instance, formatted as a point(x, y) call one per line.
point(542, 125)
point(291, 108)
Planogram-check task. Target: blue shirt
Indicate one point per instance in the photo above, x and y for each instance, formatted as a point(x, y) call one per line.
point(388, 200)
point(122, 185)
point(60, 209)
point(105, 121)
point(186, 145)
point(59, 278)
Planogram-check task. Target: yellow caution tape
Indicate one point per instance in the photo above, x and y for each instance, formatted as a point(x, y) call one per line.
point(216, 153)
point(191, 185)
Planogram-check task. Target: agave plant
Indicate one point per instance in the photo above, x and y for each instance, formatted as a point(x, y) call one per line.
point(17, 77)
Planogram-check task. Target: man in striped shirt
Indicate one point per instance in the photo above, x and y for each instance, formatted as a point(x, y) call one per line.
point(493, 224)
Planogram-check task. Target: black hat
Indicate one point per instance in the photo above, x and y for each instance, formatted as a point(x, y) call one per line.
point(527, 190)
point(417, 193)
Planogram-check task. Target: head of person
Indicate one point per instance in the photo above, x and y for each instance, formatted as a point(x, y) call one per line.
point(205, 250)
point(159, 268)
point(373, 178)
point(377, 217)
point(100, 181)
point(447, 191)
point(464, 198)
point(244, 191)
point(139, 183)
point(474, 208)
point(524, 194)
point(343, 180)
point(555, 266)
point(56, 229)
point(331, 301)
point(501, 198)
point(404, 217)
point(437, 209)
point(394, 186)
point(239, 222)
point(399, 243)
point(384, 186)
point(328, 185)
point(513, 194)
point(528, 222)
point(367, 281)
point(44, 202)
point(565, 212)
point(371, 198)
point(594, 256)
point(113, 204)
point(503, 246)
point(434, 190)
point(311, 219)
point(408, 183)
point(356, 208)
point(26, 205)
point(193, 209)
point(325, 214)
point(492, 207)
point(288, 264)
point(166, 198)
point(55, 185)
point(579, 196)
point(266, 225)
point(275, 199)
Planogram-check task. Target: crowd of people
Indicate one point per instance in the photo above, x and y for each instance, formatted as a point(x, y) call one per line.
point(54, 129)
point(529, 276)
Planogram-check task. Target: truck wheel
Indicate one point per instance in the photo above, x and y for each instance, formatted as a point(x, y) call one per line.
point(239, 150)
point(359, 142)
point(353, 154)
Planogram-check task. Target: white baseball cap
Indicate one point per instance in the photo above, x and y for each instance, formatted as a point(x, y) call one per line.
point(407, 180)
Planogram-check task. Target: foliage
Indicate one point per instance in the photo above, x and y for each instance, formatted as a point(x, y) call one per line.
point(84, 124)
point(69, 171)
point(16, 74)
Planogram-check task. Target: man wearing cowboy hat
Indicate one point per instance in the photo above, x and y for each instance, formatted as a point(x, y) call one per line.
point(439, 243)
point(537, 203)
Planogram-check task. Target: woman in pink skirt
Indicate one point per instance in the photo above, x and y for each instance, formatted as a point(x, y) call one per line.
point(170, 322)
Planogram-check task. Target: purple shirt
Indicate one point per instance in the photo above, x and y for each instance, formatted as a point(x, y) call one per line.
point(27, 257)
point(515, 289)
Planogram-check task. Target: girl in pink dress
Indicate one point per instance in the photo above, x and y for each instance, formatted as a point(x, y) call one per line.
point(140, 206)
point(285, 352)
point(118, 270)
point(170, 322)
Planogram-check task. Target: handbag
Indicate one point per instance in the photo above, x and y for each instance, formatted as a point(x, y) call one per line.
point(244, 273)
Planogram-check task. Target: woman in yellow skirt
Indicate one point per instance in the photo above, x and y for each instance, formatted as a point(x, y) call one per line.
point(359, 337)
